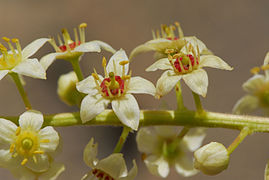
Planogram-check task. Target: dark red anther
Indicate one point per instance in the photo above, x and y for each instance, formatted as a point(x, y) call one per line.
point(71, 45)
point(113, 91)
point(175, 38)
point(186, 67)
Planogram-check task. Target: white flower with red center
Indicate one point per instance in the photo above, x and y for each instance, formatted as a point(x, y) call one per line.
point(18, 61)
point(115, 88)
point(69, 49)
point(112, 167)
point(162, 149)
point(27, 148)
point(167, 39)
point(187, 67)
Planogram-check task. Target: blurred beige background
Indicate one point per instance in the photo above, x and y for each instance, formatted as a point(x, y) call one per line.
point(237, 31)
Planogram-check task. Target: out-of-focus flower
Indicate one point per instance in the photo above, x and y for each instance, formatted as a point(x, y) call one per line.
point(266, 171)
point(167, 39)
point(212, 158)
point(112, 167)
point(116, 88)
point(18, 61)
point(162, 149)
point(27, 149)
point(257, 88)
point(69, 49)
point(187, 66)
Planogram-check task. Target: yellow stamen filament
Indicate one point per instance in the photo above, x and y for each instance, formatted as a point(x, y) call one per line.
point(54, 45)
point(18, 131)
point(158, 34)
point(114, 67)
point(153, 34)
point(123, 63)
point(190, 65)
point(18, 46)
point(169, 51)
point(39, 152)
point(76, 35)
point(34, 158)
point(180, 31)
point(59, 40)
point(82, 32)
point(255, 70)
point(44, 140)
point(24, 161)
point(163, 26)
point(9, 44)
point(12, 148)
point(104, 66)
point(95, 76)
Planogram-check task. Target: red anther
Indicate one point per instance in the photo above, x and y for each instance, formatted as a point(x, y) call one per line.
point(186, 67)
point(113, 91)
point(100, 175)
point(94, 171)
point(71, 45)
point(175, 38)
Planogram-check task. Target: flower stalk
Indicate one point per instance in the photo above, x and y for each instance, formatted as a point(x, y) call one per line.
point(77, 69)
point(122, 139)
point(180, 103)
point(243, 134)
point(198, 103)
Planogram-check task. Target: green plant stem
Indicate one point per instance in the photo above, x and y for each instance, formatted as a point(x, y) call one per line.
point(180, 103)
point(21, 90)
point(122, 139)
point(243, 134)
point(77, 69)
point(183, 132)
point(198, 103)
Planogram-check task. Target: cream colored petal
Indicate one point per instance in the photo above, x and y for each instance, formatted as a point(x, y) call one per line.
point(266, 62)
point(113, 64)
point(246, 105)
point(197, 81)
point(30, 67)
point(88, 47)
point(167, 131)
point(91, 106)
point(31, 120)
point(162, 64)
point(5, 158)
point(90, 153)
point(34, 46)
point(194, 138)
point(114, 165)
point(127, 110)
point(48, 133)
point(147, 140)
point(54, 171)
point(7, 131)
point(88, 85)
point(141, 85)
point(47, 60)
point(157, 166)
point(254, 84)
point(3, 73)
point(184, 166)
point(266, 171)
point(195, 43)
point(105, 46)
point(132, 173)
point(41, 165)
point(214, 62)
point(166, 83)
point(22, 173)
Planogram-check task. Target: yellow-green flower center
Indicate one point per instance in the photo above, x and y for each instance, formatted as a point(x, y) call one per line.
point(170, 149)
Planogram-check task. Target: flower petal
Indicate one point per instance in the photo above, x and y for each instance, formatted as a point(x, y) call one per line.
point(32, 68)
point(54, 171)
point(266, 62)
point(42, 164)
point(197, 80)
point(114, 165)
point(90, 153)
point(31, 120)
point(254, 84)
point(88, 85)
point(266, 171)
point(22, 173)
point(47, 60)
point(246, 105)
point(48, 133)
point(7, 131)
point(5, 157)
point(162, 64)
point(34, 46)
point(214, 62)
point(141, 85)
point(157, 166)
point(147, 140)
point(88, 47)
point(105, 46)
point(194, 138)
point(127, 110)
point(3, 73)
point(113, 64)
point(184, 166)
point(192, 40)
point(132, 173)
point(91, 106)
point(166, 83)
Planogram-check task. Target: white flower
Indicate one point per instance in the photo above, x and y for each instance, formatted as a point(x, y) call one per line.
point(257, 88)
point(73, 49)
point(266, 171)
point(27, 147)
point(18, 61)
point(162, 149)
point(168, 40)
point(112, 167)
point(116, 88)
point(187, 66)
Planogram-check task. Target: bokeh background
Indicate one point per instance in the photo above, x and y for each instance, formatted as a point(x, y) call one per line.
point(237, 31)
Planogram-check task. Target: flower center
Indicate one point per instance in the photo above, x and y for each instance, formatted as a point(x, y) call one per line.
point(101, 175)
point(112, 86)
point(185, 63)
point(264, 98)
point(72, 46)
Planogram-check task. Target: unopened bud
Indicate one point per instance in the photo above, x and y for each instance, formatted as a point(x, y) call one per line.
point(212, 158)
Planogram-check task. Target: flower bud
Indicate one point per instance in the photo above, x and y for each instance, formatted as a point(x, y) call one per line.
point(67, 88)
point(212, 158)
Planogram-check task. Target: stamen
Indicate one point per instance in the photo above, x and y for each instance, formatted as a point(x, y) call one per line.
point(24, 161)
point(76, 36)
point(122, 63)
point(104, 66)
point(172, 34)
point(265, 67)
point(14, 155)
point(34, 158)
point(158, 34)
point(18, 131)
point(153, 34)
point(39, 152)
point(12, 148)
point(44, 140)
point(255, 70)
point(9, 44)
point(16, 41)
point(190, 65)
point(163, 26)
point(180, 31)
point(67, 39)
point(195, 57)
point(82, 32)
point(95, 76)
point(169, 51)
point(60, 40)
point(54, 45)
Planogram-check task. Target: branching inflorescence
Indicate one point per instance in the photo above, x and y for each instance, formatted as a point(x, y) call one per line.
point(164, 138)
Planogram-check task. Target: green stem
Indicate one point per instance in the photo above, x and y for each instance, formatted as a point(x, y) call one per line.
point(243, 134)
point(180, 103)
point(22, 92)
point(198, 103)
point(77, 69)
point(122, 139)
point(183, 132)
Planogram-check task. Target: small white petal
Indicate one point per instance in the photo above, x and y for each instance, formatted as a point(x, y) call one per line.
point(88, 85)
point(90, 153)
point(166, 83)
point(114, 165)
point(42, 164)
point(246, 105)
point(22, 173)
point(195, 43)
point(140, 49)
point(147, 140)
point(34, 46)
point(113, 64)
point(254, 84)
point(54, 171)
point(168, 132)
point(105, 46)
point(53, 137)
point(31, 120)
point(184, 166)
point(214, 62)
point(197, 80)
point(91, 106)
point(127, 110)
point(194, 138)
point(157, 166)
point(5, 157)
point(266, 171)
point(7, 131)
point(162, 64)
point(32, 68)
point(88, 47)
point(3, 73)
point(141, 85)
point(266, 62)
point(132, 173)
point(47, 60)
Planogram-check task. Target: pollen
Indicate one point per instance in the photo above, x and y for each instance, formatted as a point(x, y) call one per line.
point(24, 161)
point(122, 63)
point(6, 39)
point(265, 67)
point(83, 25)
point(255, 70)
point(18, 131)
